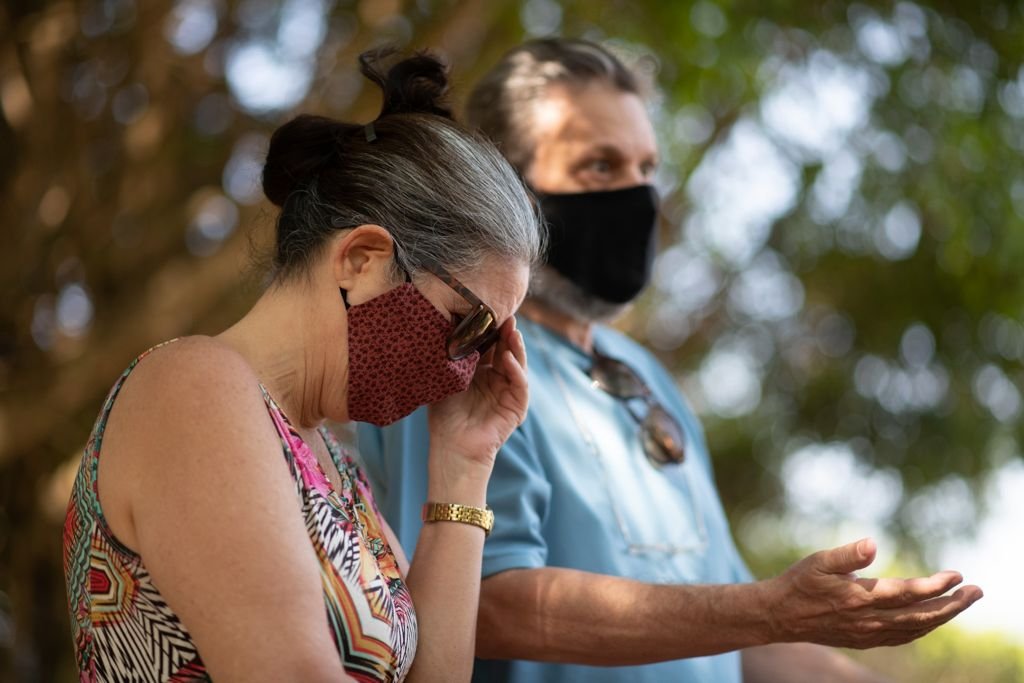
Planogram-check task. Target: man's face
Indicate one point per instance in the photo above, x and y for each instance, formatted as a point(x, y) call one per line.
point(590, 137)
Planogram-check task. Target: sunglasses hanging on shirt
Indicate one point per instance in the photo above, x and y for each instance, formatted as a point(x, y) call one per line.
point(660, 435)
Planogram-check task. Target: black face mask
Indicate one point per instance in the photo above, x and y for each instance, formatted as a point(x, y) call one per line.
point(605, 241)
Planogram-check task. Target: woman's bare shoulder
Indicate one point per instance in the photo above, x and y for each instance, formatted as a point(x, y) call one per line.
point(196, 390)
point(189, 417)
point(193, 359)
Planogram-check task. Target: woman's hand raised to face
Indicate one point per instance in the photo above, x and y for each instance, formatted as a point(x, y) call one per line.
point(467, 429)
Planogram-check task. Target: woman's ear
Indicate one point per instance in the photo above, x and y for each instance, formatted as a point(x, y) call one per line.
point(361, 262)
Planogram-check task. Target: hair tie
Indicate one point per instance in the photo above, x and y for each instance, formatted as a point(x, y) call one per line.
point(370, 132)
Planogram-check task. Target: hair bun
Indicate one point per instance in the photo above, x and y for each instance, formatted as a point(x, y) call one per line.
point(306, 145)
point(414, 85)
point(298, 151)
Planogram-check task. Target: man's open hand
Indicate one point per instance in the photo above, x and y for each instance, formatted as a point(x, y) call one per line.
point(820, 600)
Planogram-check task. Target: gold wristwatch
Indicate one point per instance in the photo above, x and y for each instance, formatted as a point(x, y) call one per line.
point(454, 512)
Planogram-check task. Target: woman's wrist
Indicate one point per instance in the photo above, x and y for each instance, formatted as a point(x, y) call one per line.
point(457, 482)
point(464, 493)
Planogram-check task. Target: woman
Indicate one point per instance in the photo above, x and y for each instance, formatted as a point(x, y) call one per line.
point(222, 519)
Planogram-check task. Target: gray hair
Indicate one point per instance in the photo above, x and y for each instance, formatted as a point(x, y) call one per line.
point(501, 106)
point(445, 194)
point(501, 103)
point(558, 293)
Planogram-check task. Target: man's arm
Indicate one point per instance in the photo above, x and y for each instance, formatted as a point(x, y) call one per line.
point(564, 615)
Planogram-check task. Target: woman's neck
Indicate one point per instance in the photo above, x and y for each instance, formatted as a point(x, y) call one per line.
point(578, 332)
point(284, 342)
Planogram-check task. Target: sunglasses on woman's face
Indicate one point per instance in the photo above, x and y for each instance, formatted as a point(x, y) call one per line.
point(660, 435)
point(475, 331)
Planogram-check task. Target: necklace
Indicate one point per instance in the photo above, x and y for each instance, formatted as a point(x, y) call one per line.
point(634, 546)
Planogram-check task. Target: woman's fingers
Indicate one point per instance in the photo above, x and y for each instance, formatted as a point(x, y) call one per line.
point(509, 339)
point(517, 392)
point(492, 356)
point(515, 372)
point(516, 344)
point(500, 381)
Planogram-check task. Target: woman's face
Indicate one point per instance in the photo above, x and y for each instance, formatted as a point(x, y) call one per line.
point(499, 283)
point(396, 346)
point(361, 262)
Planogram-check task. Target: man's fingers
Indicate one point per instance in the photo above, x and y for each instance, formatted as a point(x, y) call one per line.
point(905, 624)
point(929, 614)
point(846, 558)
point(898, 592)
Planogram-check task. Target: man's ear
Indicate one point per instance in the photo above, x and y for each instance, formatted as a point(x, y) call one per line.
point(361, 260)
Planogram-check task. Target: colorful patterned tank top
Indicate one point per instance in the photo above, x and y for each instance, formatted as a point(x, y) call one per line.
point(124, 630)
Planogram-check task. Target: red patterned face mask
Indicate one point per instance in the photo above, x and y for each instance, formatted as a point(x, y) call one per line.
point(398, 357)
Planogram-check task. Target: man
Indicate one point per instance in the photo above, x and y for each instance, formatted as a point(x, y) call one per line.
point(611, 558)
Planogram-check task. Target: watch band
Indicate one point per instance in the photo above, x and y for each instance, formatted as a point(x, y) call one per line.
point(454, 512)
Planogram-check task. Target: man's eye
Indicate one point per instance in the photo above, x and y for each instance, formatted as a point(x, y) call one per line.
point(600, 165)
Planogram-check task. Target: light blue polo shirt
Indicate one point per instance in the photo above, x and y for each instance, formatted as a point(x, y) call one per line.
point(572, 488)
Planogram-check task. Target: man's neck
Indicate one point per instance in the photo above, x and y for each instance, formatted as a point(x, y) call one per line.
point(578, 332)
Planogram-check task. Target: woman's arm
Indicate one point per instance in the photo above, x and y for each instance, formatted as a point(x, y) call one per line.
point(193, 478)
point(466, 431)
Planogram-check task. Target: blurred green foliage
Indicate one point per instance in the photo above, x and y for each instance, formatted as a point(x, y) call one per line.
point(842, 243)
point(951, 655)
